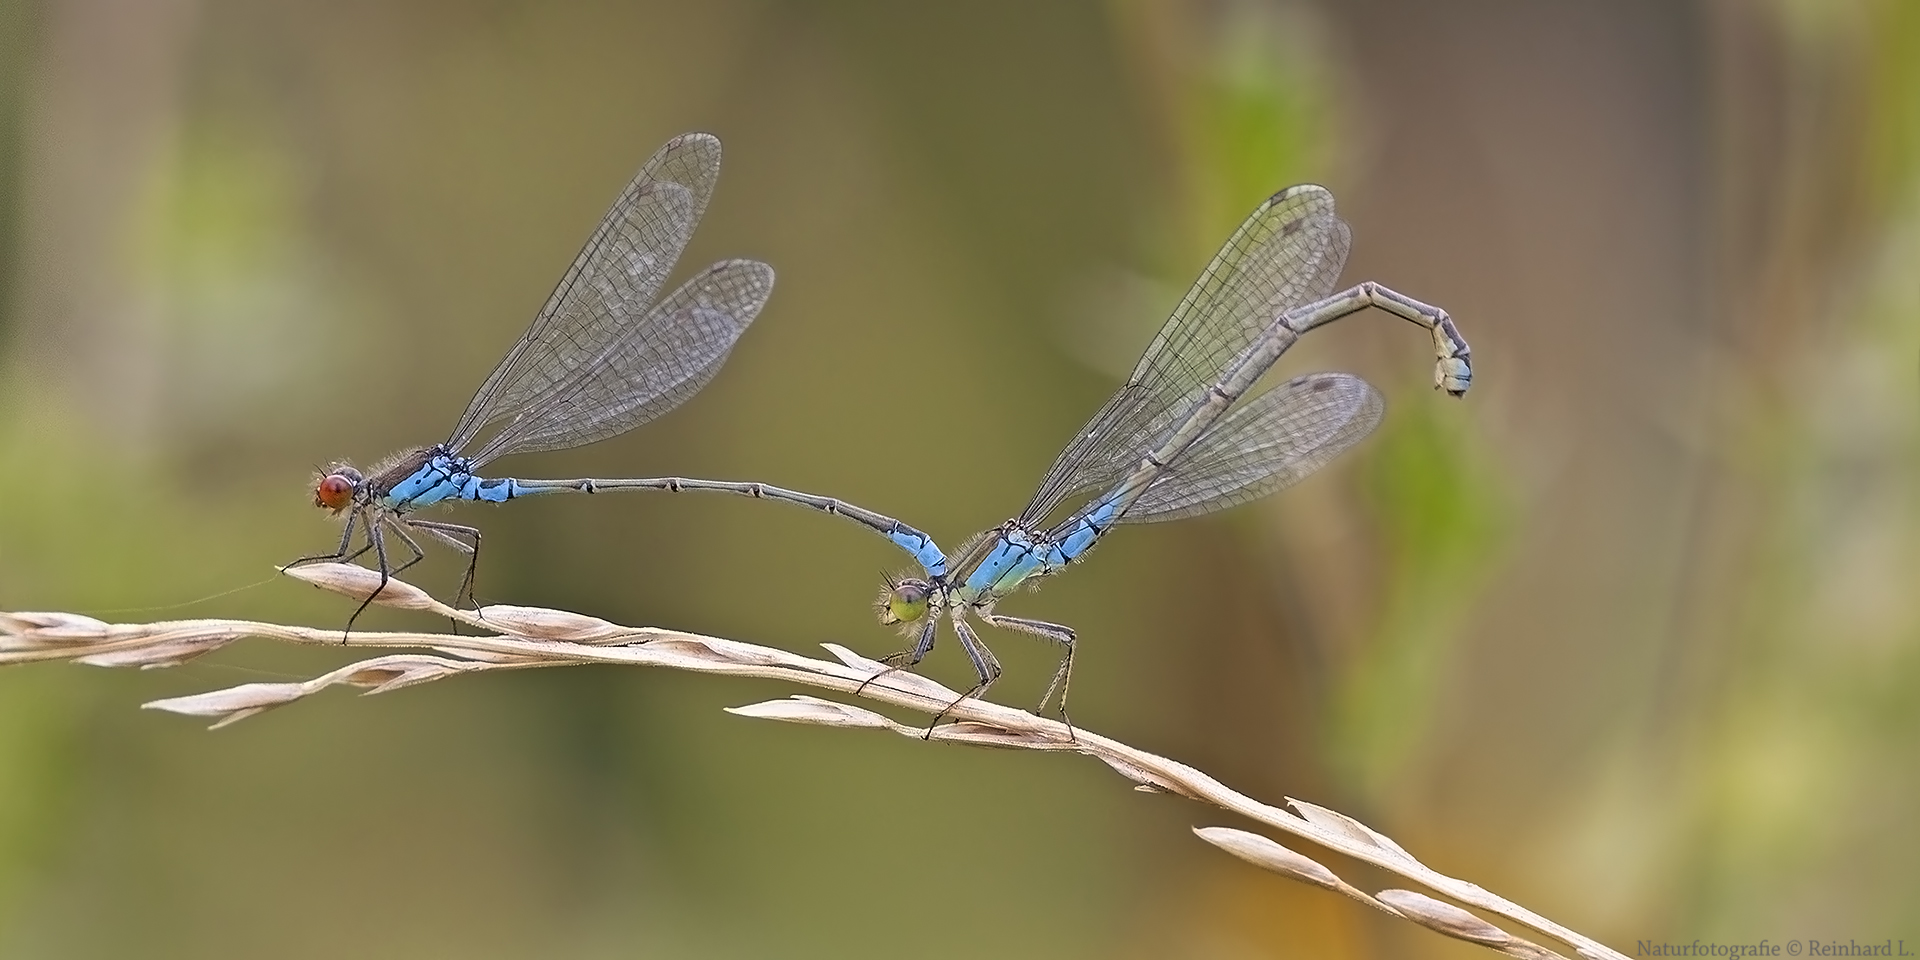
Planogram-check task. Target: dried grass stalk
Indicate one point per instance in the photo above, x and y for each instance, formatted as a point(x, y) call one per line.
point(521, 638)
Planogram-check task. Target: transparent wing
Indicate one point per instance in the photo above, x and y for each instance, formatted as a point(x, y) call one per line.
point(1272, 442)
point(663, 359)
point(599, 309)
point(1289, 252)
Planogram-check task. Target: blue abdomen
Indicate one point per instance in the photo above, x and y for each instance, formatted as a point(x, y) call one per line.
point(924, 550)
point(1084, 532)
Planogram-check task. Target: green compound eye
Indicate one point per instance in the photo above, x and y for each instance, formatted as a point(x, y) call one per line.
point(906, 602)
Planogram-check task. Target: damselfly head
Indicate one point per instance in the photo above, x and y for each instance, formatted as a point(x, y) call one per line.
point(903, 600)
point(334, 489)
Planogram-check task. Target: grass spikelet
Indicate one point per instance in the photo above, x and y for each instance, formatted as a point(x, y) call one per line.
point(1445, 918)
point(537, 623)
point(360, 583)
point(801, 709)
point(1266, 854)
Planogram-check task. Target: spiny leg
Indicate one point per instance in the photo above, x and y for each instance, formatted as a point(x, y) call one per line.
point(351, 557)
point(339, 555)
point(413, 545)
point(985, 664)
point(376, 532)
point(377, 539)
point(909, 657)
point(365, 518)
point(366, 524)
point(1063, 675)
point(451, 534)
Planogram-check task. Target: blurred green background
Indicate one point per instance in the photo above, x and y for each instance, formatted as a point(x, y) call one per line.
point(1630, 635)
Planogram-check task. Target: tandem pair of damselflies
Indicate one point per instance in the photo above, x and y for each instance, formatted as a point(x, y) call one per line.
point(601, 358)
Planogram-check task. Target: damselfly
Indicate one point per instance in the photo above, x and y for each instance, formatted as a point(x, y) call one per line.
point(1172, 442)
point(601, 358)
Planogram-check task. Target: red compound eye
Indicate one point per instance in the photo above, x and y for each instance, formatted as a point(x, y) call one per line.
point(333, 491)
